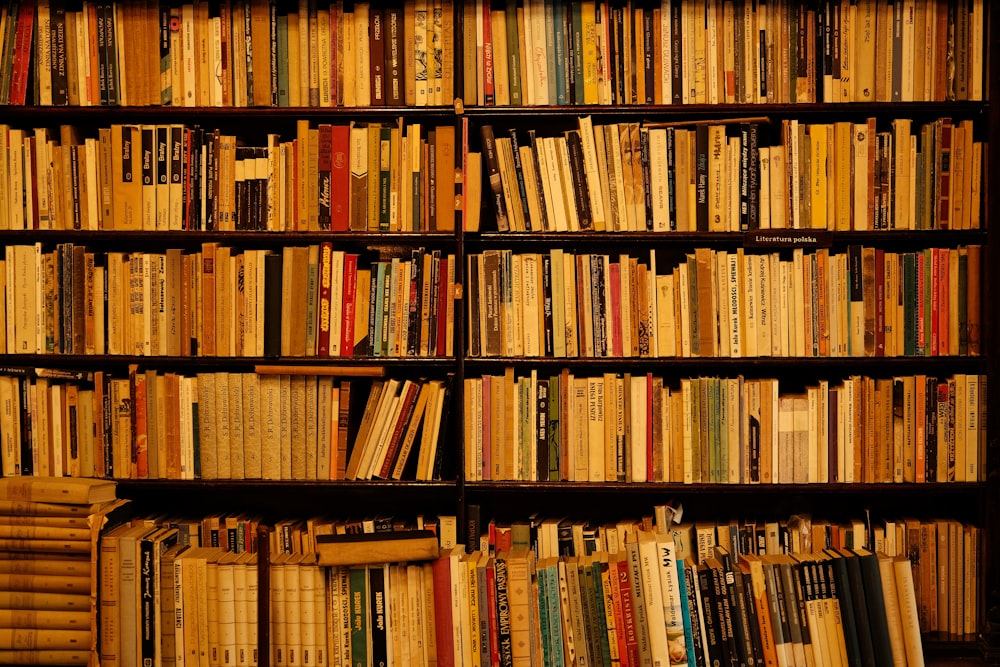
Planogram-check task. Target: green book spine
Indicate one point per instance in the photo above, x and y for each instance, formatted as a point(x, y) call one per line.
point(513, 53)
point(601, 598)
point(358, 587)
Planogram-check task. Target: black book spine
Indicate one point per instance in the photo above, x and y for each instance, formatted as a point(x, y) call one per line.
point(547, 303)
point(541, 429)
point(708, 613)
point(492, 163)
point(748, 608)
point(272, 304)
point(648, 187)
point(413, 317)
point(379, 615)
point(931, 430)
point(691, 583)
point(148, 611)
point(580, 186)
point(739, 612)
point(649, 71)
point(437, 469)
point(856, 639)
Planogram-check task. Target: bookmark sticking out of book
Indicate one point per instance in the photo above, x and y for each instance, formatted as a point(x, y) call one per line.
point(365, 548)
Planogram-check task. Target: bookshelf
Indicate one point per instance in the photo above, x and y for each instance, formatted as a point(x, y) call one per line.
point(607, 488)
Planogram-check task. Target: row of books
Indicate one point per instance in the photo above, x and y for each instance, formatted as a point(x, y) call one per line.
point(731, 177)
point(164, 599)
point(643, 601)
point(637, 428)
point(180, 591)
point(260, 53)
point(450, 607)
point(222, 301)
point(863, 302)
point(358, 177)
point(162, 425)
point(939, 550)
point(49, 531)
point(708, 52)
point(243, 53)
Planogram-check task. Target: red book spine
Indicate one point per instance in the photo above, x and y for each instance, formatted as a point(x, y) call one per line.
point(489, 91)
point(325, 291)
point(942, 285)
point(340, 178)
point(491, 606)
point(350, 285)
point(22, 52)
point(616, 606)
point(631, 646)
point(443, 624)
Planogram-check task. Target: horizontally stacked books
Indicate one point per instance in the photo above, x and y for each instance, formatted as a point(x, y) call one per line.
point(49, 527)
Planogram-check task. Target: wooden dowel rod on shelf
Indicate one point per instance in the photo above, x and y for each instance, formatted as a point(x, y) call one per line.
point(343, 371)
point(764, 120)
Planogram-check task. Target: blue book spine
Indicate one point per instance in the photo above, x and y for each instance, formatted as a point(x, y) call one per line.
point(685, 612)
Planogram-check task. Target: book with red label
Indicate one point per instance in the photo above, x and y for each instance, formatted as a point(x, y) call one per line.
point(325, 294)
point(340, 178)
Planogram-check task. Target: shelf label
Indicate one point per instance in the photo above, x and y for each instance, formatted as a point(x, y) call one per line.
point(788, 238)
